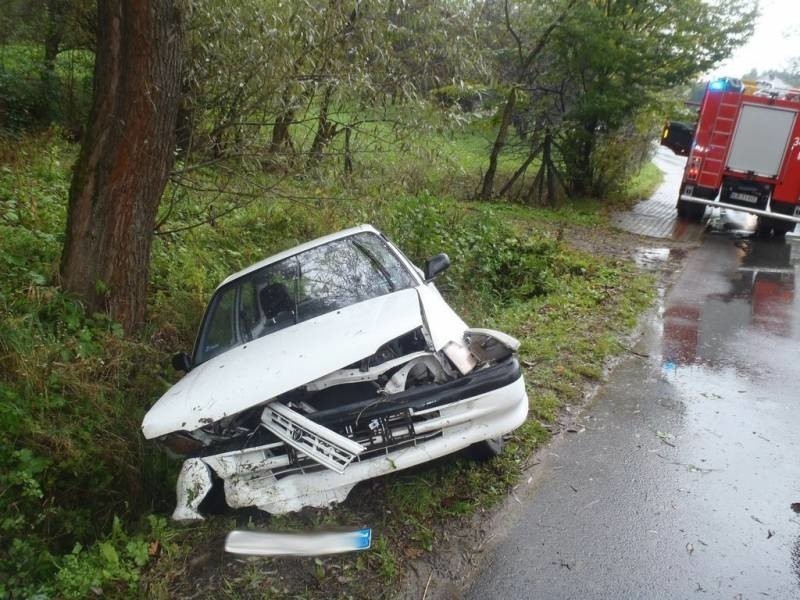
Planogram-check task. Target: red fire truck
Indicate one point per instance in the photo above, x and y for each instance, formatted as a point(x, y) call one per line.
point(745, 155)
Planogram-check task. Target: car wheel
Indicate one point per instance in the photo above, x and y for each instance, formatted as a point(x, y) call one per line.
point(486, 449)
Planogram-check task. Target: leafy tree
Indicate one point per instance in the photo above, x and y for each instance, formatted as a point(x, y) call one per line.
point(619, 56)
point(590, 95)
point(526, 69)
point(33, 34)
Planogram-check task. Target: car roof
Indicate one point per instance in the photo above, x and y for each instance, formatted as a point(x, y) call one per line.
point(298, 249)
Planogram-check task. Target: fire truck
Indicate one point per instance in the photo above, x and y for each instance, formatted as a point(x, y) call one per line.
point(744, 154)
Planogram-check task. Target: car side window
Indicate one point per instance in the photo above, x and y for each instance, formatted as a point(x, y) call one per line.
point(221, 332)
point(249, 315)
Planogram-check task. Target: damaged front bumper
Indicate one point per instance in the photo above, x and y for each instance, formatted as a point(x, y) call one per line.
point(384, 434)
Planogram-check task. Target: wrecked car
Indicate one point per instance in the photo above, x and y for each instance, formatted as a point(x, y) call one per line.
point(330, 363)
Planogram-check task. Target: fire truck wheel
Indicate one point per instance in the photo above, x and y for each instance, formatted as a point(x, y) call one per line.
point(692, 211)
point(781, 228)
point(763, 227)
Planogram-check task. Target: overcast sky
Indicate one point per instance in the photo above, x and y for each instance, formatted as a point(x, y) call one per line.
point(775, 42)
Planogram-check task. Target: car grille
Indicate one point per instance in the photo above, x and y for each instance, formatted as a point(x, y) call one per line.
point(380, 436)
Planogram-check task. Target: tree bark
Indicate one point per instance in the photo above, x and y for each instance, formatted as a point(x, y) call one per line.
point(581, 175)
point(125, 157)
point(325, 129)
point(520, 171)
point(499, 143)
point(348, 156)
point(56, 10)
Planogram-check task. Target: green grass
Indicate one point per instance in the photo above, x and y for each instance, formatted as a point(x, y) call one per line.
point(643, 184)
point(73, 466)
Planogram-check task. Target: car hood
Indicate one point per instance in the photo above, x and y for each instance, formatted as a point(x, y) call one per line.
point(254, 372)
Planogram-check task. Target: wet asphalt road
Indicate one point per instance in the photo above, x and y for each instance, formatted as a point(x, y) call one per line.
point(680, 485)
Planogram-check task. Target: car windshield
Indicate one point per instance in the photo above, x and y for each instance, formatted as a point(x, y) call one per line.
point(299, 288)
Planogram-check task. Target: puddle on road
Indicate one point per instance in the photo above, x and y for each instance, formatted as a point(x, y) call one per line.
point(655, 258)
point(730, 333)
point(647, 257)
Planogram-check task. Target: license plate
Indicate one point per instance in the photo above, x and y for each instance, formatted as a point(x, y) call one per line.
point(264, 543)
point(744, 197)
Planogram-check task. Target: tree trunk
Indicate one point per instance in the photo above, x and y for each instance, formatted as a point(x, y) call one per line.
point(281, 141)
point(47, 109)
point(520, 171)
point(54, 33)
point(348, 156)
point(325, 129)
point(499, 143)
point(547, 183)
point(125, 157)
point(580, 173)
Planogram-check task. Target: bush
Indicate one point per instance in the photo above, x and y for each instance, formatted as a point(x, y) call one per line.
point(31, 96)
point(72, 390)
point(466, 97)
point(488, 257)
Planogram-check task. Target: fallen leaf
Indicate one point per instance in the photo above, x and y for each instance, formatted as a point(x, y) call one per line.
point(665, 437)
point(796, 507)
point(770, 533)
point(153, 548)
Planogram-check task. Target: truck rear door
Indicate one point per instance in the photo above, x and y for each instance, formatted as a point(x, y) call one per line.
point(761, 139)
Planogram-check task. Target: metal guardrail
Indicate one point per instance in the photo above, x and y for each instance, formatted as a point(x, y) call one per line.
point(752, 211)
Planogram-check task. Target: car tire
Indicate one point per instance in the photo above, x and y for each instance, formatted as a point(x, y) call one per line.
point(487, 449)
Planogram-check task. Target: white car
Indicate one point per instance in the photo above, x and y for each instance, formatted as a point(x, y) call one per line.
point(325, 365)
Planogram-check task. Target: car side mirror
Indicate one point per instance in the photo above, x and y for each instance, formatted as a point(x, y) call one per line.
point(181, 362)
point(435, 265)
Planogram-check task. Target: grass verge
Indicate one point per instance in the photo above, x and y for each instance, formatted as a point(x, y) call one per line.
point(83, 496)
